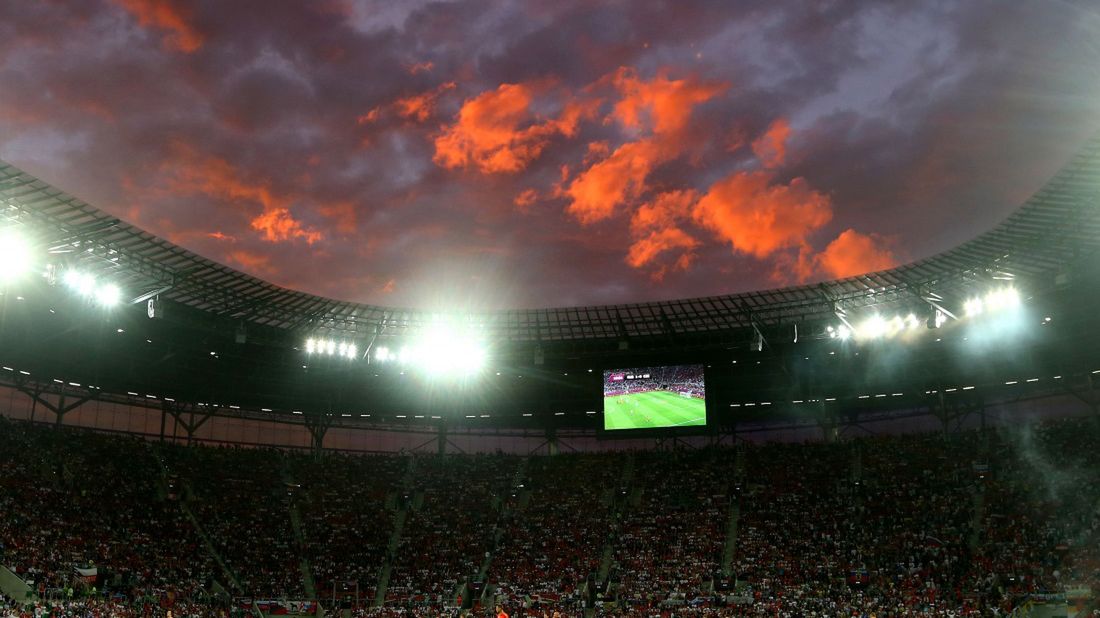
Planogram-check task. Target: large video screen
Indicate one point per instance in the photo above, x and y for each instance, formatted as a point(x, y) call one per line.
point(654, 397)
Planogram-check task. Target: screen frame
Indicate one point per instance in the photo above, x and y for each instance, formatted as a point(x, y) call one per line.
point(643, 432)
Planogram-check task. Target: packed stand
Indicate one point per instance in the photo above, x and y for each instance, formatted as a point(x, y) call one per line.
point(74, 499)
point(346, 525)
point(453, 514)
point(670, 544)
point(240, 497)
point(557, 523)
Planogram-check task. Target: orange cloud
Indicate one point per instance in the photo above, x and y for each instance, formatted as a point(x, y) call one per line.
point(496, 132)
point(369, 117)
point(771, 147)
point(661, 106)
point(759, 218)
point(193, 172)
point(389, 286)
point(254, 262)
point(421, 106)
point(666, 104)
point(597, 192)
point(420, 67)
point(656, 229)
point(647, 249)
point(278, 224)
point(525, 199)
point(853, 253)
point(166, 15)
point(221, 236)
point(666, 210)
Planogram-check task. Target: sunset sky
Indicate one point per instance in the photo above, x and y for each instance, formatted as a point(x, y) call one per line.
point(549, 152)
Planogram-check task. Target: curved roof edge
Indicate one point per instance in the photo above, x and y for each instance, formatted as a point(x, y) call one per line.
point(1057, 226)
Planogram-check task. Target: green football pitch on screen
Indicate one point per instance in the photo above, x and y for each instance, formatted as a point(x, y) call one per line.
point(652, 410)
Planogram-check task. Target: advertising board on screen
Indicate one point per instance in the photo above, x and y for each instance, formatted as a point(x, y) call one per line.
point(654, 397)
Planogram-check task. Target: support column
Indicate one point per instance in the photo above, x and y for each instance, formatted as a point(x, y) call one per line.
point(191, 425)
point(441, 439)
point(317, 430)
point(830, 429)
point(60, 409)
point(552, 447)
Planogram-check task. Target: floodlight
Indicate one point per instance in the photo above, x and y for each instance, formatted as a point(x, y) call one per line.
point(873, 327)
point(108, 295)
point(353, 351)
point(81, 283)
point(15, 256)
point(311, 346)
point(973, 307)
point(843, 332)
point(896, 325)
point(342, 349)
point(330, 347)
point(1002, 299)
point(912, 322)
point(382, 354)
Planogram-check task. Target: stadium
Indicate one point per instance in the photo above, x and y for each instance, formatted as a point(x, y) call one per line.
point(181, 438)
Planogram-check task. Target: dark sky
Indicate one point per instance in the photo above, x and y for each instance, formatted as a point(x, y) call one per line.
point(549, 152)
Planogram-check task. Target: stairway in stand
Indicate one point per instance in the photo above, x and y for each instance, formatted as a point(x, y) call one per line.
point(401, 513)
point(299, 536)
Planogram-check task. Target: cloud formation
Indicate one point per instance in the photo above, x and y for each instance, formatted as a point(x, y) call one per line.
point(170, 17)
point(516, 155)
point(852, 253)
point(192, 172)
point(498, 132)
point(758, 217)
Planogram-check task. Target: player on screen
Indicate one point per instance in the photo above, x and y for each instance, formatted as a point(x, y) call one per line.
point(501, 613)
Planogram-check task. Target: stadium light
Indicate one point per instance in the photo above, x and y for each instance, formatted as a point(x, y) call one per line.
point(973, 307)
point(108, 295)
point(1006, 298)
point(330, 347)
point(912, 322)
point(873, 327)
point(81, 283)
point(442, 349)
point(15, 256)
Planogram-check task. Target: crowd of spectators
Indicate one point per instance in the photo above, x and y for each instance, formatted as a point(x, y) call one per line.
point(670, 543)
point(240, 498)
point(73, 500)
point(969, 524)
point(680, 379)
point(557, 523)
point(453, 513)
point(347, 506)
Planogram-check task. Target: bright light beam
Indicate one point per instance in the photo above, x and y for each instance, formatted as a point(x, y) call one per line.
point(15, 256)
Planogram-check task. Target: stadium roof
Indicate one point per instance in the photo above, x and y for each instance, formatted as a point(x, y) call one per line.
point(1055, 227)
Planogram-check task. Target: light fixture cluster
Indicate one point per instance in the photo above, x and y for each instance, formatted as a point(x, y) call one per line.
point(878, 326)
point(442, 349)
point(330, 347)
point(105, 294)
point(15, 256)
point(997, 300)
